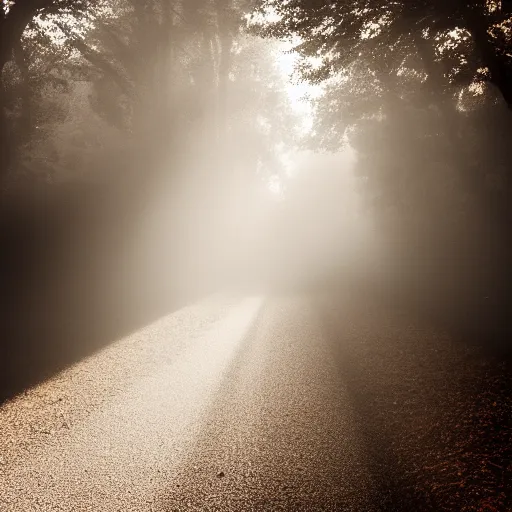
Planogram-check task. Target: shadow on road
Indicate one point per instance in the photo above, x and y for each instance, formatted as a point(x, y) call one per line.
point(76, 273)
point(394, 490)
point(50, 334)
point(432, 411)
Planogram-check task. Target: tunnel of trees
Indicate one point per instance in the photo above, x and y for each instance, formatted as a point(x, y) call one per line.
point(422, 91)
point(114, 114)
point(106, 104)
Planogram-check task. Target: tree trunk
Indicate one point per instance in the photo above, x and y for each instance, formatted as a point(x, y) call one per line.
point(225, 38)
point(5, 56)
point(4, 143)
point(12, 26)
point(226, 42)
point(24, 126)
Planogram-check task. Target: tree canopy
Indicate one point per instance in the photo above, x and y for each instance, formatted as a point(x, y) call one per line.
point(150, 74)
point(422, 92)
point(443, 43)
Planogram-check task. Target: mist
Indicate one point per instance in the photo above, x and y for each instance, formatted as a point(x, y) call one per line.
point(141, 171)
point(307, 200)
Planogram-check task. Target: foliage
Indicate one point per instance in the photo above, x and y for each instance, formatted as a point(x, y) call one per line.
point(447, 43)
point(157, 73)
point(420, 91)
point(405, 82)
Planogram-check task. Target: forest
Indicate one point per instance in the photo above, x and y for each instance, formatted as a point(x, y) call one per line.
point(115, 113)
point(256, 255)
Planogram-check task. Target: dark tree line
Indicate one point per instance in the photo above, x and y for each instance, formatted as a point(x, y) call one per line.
point(128, 91)
point(422, 91)
point(124, 125)
point(387, 37)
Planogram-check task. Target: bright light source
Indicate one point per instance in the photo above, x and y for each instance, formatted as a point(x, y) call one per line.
point(300, 93)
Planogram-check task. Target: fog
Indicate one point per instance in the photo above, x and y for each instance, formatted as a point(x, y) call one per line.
point(150, 155)
point(255, 254)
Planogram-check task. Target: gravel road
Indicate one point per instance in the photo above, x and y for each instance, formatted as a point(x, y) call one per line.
point(290, 403)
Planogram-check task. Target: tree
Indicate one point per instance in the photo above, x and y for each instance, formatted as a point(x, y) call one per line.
point(448, 42)
point(402, 75)
point(419, 90)
point(15, 18)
